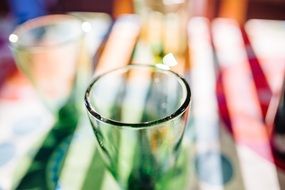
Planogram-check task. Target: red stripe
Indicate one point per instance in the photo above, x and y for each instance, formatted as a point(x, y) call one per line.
point(264, 92)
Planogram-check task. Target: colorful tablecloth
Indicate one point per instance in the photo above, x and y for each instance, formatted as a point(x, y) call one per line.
point(233, 72)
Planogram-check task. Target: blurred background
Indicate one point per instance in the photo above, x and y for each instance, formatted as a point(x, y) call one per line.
point(241, 10)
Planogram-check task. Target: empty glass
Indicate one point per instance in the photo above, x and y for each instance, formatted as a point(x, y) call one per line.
point(50, 52)
point(139, 114)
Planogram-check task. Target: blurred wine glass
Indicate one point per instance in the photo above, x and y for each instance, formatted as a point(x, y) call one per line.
point(50, 51)
point(164, 27)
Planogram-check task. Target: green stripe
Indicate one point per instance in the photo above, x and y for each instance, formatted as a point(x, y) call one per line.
point(95, 175)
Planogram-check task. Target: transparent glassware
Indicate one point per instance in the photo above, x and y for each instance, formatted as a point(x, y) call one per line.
point(164, 28)
point(139, 114)
point(50, 51)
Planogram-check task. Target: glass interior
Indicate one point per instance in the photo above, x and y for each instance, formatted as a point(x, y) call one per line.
point(137, 94)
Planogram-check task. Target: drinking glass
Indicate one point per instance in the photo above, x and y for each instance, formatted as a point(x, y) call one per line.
point(49, 50)
point(138, 114)
point(164, 26)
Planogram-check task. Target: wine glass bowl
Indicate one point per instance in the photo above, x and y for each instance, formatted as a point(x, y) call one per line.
point(49, 50)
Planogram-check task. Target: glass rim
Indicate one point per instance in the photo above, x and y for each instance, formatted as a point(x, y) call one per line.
point(44, 21)
point(182, 108)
